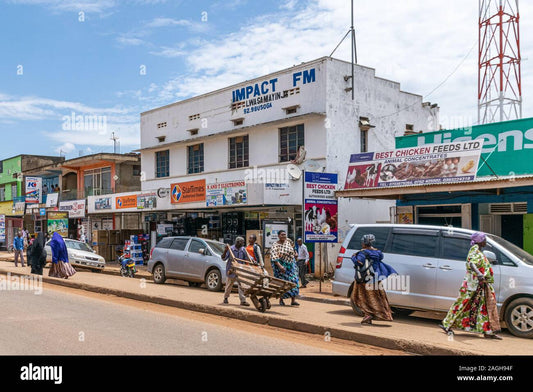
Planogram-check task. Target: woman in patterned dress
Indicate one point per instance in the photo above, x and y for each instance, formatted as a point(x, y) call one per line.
point(475, 309)
point(283, 259)
point(60, 267)
point(370, 297)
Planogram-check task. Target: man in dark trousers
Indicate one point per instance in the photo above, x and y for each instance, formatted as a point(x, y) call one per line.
point(239, 252)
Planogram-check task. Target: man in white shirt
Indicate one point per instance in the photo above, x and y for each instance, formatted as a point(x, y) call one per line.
point(302, 261)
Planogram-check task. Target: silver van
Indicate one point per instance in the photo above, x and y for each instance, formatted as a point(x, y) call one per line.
point(431, 265)
point(191, 259)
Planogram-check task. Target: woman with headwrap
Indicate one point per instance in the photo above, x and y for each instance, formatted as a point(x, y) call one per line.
point(60, 267)
point(37, 256)
point(475, 309)
point(283, 259)
point(370, 297)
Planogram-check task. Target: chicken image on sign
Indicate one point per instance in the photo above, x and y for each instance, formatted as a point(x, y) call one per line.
point(187, 192)
point(424, 165)
point(320, 207)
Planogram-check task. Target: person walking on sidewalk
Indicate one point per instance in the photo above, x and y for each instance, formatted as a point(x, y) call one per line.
point(18, 248)
point(370, 296)
point(60, 267)
point(37, 257)
point(302, 261)
point(475, 309)
point(238, 251)
point(282, 257)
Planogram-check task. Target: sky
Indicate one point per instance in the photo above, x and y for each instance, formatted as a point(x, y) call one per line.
point(73, 74)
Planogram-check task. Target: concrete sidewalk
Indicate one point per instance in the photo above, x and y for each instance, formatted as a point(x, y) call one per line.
point(319, 313)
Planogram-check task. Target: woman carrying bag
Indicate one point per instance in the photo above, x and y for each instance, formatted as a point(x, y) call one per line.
point(368, 293)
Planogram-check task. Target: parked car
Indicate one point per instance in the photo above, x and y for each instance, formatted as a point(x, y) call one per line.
point(80, 254)
point(191, 259)
point(431, 265)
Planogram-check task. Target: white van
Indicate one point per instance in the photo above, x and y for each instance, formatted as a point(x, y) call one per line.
point(431, 265)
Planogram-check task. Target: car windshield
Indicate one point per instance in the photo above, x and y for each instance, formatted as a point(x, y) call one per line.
point(517, 251)
point(217, 247)
point(78, 246)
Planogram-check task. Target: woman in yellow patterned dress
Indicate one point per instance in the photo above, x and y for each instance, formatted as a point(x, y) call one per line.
point(475, 309)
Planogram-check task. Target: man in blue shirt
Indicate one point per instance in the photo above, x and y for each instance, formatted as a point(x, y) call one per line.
point(239, 252)
point(18, 247)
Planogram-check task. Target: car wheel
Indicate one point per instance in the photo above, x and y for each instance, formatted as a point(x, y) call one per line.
point(213, 280)
point(159, 274)
point(519, 317)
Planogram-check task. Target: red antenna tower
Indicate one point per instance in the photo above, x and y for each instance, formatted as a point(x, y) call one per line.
point(499, 73)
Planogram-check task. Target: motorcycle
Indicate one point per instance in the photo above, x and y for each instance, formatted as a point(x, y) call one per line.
point(127, 266)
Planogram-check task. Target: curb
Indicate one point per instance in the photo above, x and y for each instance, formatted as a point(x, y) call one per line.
point(406, 345)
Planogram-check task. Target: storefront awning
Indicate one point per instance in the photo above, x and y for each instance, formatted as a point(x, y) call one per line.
point(482, 183)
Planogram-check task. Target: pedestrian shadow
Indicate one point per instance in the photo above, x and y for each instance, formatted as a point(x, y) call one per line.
point(343, 312)
point(375, 323)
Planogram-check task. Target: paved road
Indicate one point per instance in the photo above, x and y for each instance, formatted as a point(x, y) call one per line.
point(62, 322)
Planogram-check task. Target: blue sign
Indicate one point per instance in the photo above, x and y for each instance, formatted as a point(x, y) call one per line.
point(42, 211)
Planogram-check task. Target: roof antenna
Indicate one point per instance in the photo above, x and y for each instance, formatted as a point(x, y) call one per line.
point(354, 49)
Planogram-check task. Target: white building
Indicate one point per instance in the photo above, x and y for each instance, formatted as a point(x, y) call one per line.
point(241, 133)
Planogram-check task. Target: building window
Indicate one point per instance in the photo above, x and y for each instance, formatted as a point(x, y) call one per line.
point(364, 140)
point(194, 117)
point(13, 191)
point(162, 163)
point(2, 193)
point(97, 181)
point(290, 140)
point(196, 159)
point(136, 170)
point(162, 125)
point(238, 152)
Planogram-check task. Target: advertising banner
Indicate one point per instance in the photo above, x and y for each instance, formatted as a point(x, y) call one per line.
point(146, 201)
point(51, 199)
point(34, 189)
point(102, 203)
point(430, 164)
point(226, 193)
point(320, 207)
point(2, 228)
point(122, 202)
point(58, 222)
point(75, 208)
point(271, 229)
point(187, 192)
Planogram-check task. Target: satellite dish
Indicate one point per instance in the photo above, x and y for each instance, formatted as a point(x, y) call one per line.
point(294, 172)
point(312, 166)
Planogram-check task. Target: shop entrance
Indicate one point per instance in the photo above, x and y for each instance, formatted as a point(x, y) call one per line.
point(513, 229)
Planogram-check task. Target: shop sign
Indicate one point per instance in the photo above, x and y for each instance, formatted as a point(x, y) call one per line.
point(507, 146)
point(226, 194)
point(425, 165)
point(320, 207)
point(187, 192)
point(34, 187)
point(42, 211)
point(18, 208)
point(102, 203)
point(75, 208)
point(122, 202)
point(58, 222)
point(146, 201)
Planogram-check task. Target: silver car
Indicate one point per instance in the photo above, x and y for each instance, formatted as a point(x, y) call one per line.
point(80, 255)
point(431, 265)
point(192, 259)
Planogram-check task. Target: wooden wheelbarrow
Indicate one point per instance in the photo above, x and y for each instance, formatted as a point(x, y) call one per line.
point(257, 283)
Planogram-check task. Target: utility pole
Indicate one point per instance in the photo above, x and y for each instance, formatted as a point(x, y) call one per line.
point(351, 31)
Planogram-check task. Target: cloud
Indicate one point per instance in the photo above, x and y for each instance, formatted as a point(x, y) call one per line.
point(428, 47)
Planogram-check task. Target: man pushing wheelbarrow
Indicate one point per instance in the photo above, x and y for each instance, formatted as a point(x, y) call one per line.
point(251, 278)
